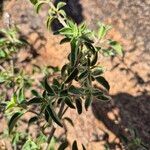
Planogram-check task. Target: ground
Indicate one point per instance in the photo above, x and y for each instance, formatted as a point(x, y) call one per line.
point(129, 77)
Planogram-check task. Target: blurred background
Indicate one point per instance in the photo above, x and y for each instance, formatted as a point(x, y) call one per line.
point(129, 76)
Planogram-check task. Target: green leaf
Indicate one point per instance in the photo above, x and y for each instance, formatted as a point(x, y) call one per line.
point(102, 31)
point(70, 23)
point(33, 1)
point(63, 145)
point(69, 120)
point(69, 102)
point(21, 95)
point(35, 93)
point(52, 143)
point(48, 117)
point(73, 74)
point(103, 82)
point(97, 71)
point(44, 94)
point(103, 97)
point(83, 75)
point(12, 103)
point(64, 70)
point(78, 102)
point(96, 92)
point(49, 21)
point(3, 54)
point(55, 89)
point(94, 59)
point(38, 5)
point(13, 120)
point(30, 145)
point(32, 120)
point(48, 88)
point(87, 39)
point(63, 13)
point(74, 52)
point(74, 90)
point(63, 93)
point(56, 82)
point(66, 31)
point(2, 79)
point(90, 47)
point(53, 115)
point(116, 46)
point(60, 5)
point(35, 100)
point(74, 145)
point(75, 30)
point(88, 102)
point(64, 40)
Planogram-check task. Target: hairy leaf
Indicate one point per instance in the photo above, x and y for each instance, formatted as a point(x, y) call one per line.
point(83, 75)
point(63, 93)
point(94, 59)
point(69, 120)
point(35, 93)
point(103, 82)
point(96, 92)
point(97, 71)
point(35, 100)
point(64, 70)
point(48, 88)
point(74, 90)
point(32, 120)
point(72, 76)
point(69, 102)
point(103, 97)
point(60, 5)
point(53, 115)
point(13, 120)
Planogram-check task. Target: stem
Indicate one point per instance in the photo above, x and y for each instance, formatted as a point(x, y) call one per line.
point(12, 66)
point(50, 137)
point(12, 71)
point(61, 20)
point(59, 17)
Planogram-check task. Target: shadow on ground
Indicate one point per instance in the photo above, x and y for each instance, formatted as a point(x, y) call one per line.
point(133, 113)
point(73, 10)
